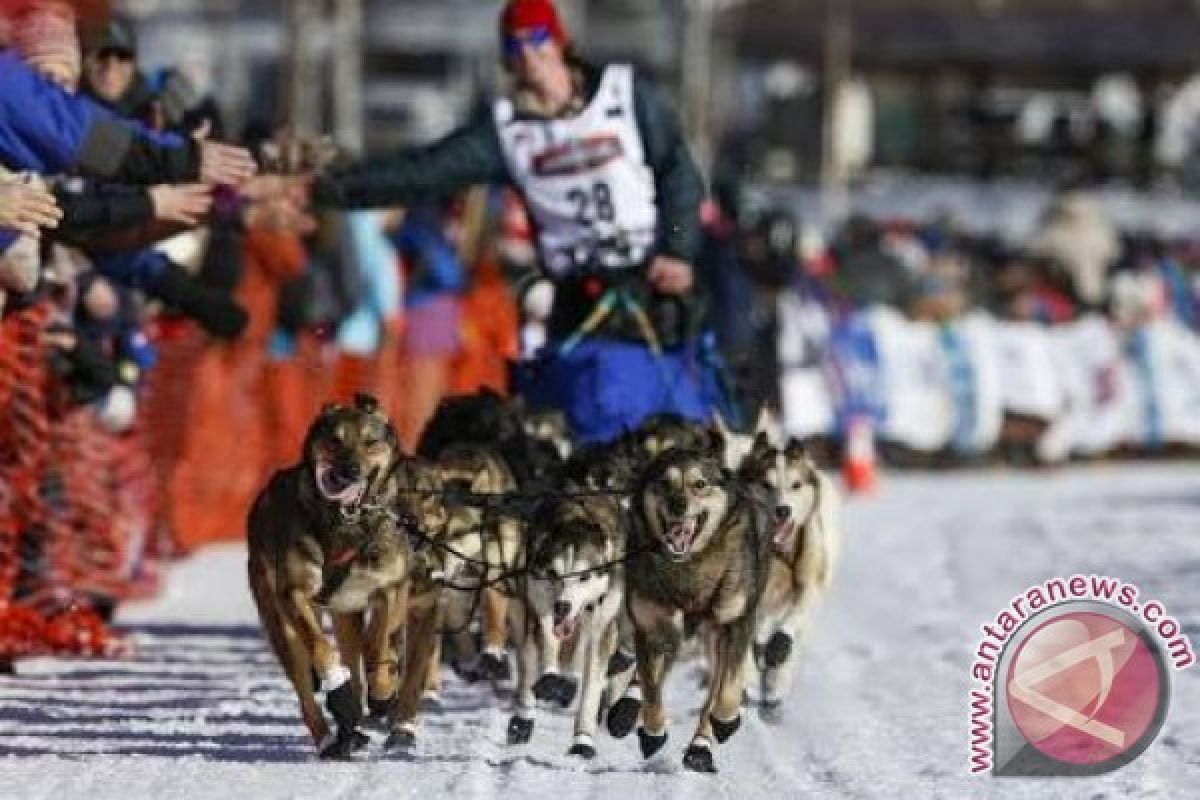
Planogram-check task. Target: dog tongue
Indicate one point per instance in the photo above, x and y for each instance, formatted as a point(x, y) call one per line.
point(347, 494)
point(564, 629)
point(350, 494)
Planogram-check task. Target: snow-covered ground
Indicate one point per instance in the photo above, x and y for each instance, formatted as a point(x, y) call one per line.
point(879, 708)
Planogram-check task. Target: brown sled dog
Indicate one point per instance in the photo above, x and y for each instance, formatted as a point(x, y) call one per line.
point(322, 535)
point(703, 555)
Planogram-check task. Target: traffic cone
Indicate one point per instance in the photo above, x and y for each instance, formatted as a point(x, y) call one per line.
point(858, 462)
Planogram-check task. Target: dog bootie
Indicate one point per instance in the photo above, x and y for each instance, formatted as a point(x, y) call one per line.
point(651, 743)
point(403, 737)
point(545, 688)
point(619, 662)
point(565, 690)
point(723, 729)
point(698, 757)
point(778, 648)
point(494, 666)
point(346, 743)
point(623, 716)
point(344, 704)
point(520, 729)
point(380, 709)
point(582, 747)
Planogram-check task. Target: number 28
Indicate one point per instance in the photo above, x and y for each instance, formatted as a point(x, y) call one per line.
point(592, 206)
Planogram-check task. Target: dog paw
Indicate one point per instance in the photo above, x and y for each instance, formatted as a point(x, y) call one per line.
point(379, 710)
point(583, 750)
point(699, 758)
point(651, 743)
point(403, 738)
point(555, 688)
point(344, 745)
point(620, 662)
point(565, 691)
point(345, 706)
point(623, 716)
point(771, 712)
point(723, 729)
point(494, 666)
point(520, 729)
point(467, 671)
point(545, 688)
point(778, 648)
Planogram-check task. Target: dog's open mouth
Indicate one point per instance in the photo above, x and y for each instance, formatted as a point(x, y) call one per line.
point(784, 536)
point(335, 487)
point(565, 628)
point(681, 534)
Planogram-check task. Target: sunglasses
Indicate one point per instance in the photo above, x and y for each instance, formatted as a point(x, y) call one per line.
point(534, 37)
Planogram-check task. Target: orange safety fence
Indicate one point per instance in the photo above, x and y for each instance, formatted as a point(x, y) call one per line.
point(86, 514)
point(489, 334)
point(41, 610)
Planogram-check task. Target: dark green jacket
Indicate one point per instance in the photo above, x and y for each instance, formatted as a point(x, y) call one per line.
point(472, 155)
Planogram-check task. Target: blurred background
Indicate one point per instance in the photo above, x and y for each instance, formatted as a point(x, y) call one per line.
point(920, 100)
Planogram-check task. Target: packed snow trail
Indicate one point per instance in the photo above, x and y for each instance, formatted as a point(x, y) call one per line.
point(879, 707)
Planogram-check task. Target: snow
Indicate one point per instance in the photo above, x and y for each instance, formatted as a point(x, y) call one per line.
point(879, 707)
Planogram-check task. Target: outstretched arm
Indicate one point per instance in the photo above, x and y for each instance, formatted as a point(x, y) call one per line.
point(467, 157)
point(48, 130)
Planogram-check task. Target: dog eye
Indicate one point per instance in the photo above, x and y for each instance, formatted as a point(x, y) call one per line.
point(700, 484)
point(798, 485)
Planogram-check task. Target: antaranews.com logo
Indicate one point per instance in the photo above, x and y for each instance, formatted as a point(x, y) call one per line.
point(1072, 679)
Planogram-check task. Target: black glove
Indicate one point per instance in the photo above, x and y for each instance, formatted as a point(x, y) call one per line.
point(213, 309)
point(85, 369)
point(345, 706)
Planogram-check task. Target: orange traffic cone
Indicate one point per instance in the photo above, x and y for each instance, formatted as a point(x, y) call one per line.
point(858, 462)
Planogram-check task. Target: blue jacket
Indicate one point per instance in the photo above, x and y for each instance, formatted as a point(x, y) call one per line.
point(49, 130)
point(431, 264)
point(46, 129)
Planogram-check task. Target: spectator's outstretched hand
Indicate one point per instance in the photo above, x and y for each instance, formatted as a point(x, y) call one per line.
point(27, 208)
point(184, 203)
point(670, 275)
point(225, 164)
